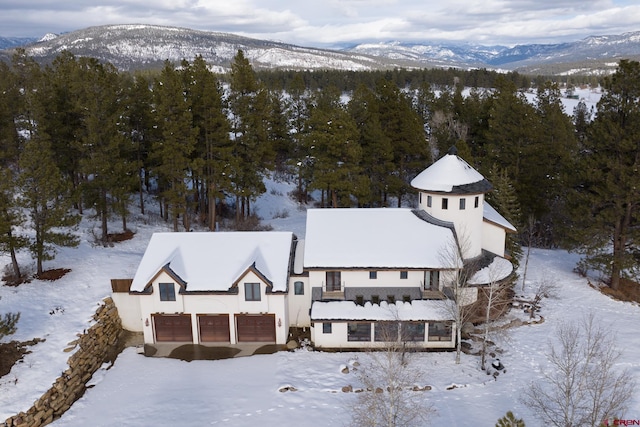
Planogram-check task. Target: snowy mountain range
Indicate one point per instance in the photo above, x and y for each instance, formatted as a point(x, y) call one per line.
point(144, 46)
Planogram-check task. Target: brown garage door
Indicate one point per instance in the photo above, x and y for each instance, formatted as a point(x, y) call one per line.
point(252, 328)
point(173, 327)
point(214, 327)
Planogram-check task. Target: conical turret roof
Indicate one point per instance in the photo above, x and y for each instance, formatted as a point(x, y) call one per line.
point(451, 174)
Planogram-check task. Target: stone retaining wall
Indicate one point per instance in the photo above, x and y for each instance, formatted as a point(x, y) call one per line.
point(98, 345)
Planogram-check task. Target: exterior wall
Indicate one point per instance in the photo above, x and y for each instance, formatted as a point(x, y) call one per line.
point(128, 306)
point(467, 221)
point(360, 278)
point(299, 305)
point(338, 338)
point(231, 304)
point(493, 238)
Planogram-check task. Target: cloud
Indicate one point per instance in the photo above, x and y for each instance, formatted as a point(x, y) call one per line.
point(317, 23)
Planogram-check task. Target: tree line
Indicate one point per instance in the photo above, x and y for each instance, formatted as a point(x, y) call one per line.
point(78, 137)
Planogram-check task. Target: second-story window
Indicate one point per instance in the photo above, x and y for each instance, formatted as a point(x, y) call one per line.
point(252, 291)
point(333, 281)
point(167, 291)
point(445, 203)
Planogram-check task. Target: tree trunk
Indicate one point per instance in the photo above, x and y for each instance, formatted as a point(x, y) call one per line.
point(14, 260)
point(212, 207)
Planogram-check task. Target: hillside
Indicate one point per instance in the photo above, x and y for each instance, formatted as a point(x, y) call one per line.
point(131, 47)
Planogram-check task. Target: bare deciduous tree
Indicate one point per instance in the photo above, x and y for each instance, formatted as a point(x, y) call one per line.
point(392, 394)
point(582, 385)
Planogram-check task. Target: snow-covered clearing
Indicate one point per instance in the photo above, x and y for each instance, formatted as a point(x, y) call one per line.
point(139, 391)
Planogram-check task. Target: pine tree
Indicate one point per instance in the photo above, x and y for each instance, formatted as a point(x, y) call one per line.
point(504, 199)
point(11, 217)
point(106, 158)
point(333, 140)
point(213, 153)
point(172, 152)
point(606, 196)
point(249, 103)
point(45, 196)
point(377, 152)
point(8, 324)
point(510, 420)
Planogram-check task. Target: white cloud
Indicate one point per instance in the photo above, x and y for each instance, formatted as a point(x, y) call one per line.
point(315, 23)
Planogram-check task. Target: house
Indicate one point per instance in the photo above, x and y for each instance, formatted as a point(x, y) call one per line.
point(360, 278)
point(210, 288)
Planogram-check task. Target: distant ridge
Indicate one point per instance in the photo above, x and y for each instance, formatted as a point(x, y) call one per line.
point(131, 47)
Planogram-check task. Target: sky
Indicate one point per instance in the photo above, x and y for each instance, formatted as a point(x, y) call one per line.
point(328, 23)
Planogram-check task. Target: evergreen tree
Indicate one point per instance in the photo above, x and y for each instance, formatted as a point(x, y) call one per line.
point(510, 420)
point(333, 140)
point(106, 152)
point(504, 199)
point(172, 152)
point(8, 324)
point(402, 125)
point(11, 217)
point(606, 199)
point(377, 152)
point(297, 111)
point(213, 158)
point(249, 103)
point(45, 196)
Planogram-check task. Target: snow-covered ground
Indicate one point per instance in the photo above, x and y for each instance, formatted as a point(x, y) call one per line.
point(140, 391)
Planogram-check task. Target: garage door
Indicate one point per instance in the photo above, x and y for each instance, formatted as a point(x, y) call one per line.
point(173, 327)
point(260, 328)
point(214, 328)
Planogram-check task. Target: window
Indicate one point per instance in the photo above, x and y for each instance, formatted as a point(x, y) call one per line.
point(333, 281)
point(419, 197)
point(358, 331)
point(359, 300)
point(412, 331)
point(406, 298)
point(373, 275)
point(439, 331)
point(404, 274)
point(476, 202)
point(386, 331)
point(391, 299)
point(298, 288)
point(326, 328)
point(428, 201)
point(463, 204)
point(432, 280)
point(375, 299)
point(252, 291)
point(167, 292)
point(445, 203)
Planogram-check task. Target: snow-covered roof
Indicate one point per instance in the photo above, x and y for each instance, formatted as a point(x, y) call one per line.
point(490, 214)
point(418, 310)
point(213, 261)
point(451, 174)
point(499, 269)
point(375, 238)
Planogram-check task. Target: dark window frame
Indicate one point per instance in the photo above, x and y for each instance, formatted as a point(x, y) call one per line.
point(386, 332)
point(359, 331)
point(167, 291)
point(412, 331)
point(333, 281)
point(463, 203)
point(298, 287)
point(404, 274)
point(440, 331)
point(445, 203)
point(250, 291)
point(373, 274)
point(327, 328)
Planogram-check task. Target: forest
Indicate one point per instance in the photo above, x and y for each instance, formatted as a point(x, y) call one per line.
point(78, 137)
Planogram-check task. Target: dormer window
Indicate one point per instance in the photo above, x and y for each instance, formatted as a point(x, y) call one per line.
point(167, 291)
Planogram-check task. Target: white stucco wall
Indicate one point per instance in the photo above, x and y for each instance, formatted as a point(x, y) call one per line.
point(338, 338)
point(360, 278)
point(493, 238)
point(214, 304)
point(129, 310)
point(299, 305)
point(467, 221)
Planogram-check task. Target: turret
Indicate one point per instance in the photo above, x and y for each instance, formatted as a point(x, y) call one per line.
point(451, 190)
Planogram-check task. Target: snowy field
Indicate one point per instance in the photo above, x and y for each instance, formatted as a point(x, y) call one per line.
point(139, 391)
